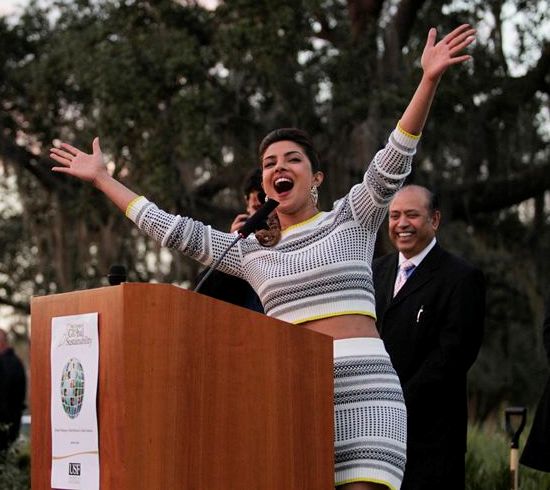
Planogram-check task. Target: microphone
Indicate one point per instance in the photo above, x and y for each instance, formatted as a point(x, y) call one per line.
point(255, 222)
point(117, 274)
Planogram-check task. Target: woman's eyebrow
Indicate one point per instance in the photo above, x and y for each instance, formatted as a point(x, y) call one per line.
point(285, 154)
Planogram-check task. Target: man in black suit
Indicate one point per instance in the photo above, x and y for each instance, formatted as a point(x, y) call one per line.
point(432, 328)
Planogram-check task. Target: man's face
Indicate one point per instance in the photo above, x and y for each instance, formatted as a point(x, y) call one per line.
point(252, 202)
point(411, 227)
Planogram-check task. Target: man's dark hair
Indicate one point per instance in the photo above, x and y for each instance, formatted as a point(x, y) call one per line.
point(431, 196)
point(433, 201)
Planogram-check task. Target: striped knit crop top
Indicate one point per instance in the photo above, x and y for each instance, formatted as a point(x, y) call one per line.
point(321, 267)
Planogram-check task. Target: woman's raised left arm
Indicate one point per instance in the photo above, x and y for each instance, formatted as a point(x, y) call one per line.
point(436, 58)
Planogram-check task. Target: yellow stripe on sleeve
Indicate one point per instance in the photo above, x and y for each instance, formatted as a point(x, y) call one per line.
point(406, 133)
point(131, 204)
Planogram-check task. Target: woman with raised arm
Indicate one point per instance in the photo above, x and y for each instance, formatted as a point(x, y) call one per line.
point(314, 268)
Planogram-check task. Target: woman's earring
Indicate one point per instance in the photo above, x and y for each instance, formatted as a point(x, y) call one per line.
point(266, 198)
point(314, 193)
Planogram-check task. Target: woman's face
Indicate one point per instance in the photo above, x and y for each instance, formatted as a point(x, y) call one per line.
point(287, 176)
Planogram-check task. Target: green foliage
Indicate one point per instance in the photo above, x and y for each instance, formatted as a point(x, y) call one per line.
point(15, 468)
point(487, 463)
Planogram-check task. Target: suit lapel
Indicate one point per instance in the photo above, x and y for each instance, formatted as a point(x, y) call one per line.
point(386, 279)
point(422, 274)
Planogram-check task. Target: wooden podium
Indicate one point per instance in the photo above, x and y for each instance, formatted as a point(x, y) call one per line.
point(193, 393)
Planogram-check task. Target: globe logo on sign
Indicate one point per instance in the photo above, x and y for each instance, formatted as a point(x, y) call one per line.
point(72, 387)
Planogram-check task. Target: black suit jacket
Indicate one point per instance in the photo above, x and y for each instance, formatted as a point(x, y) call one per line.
point(432, 331)
point(537, 447)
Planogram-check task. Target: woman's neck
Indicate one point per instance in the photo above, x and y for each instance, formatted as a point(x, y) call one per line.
point(291, 219)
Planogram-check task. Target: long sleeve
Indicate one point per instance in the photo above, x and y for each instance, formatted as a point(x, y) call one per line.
point(193, 238)
point(384, 177)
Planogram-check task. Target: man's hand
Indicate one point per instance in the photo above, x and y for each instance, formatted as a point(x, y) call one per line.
point(238, 222)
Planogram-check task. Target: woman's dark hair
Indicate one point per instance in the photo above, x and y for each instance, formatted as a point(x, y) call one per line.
point(296, 135)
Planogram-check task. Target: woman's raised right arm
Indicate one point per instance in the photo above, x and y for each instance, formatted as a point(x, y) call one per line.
point(91, 168)
point(182, 233)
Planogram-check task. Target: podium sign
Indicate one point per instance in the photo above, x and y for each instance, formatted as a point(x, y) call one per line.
point(74, 373)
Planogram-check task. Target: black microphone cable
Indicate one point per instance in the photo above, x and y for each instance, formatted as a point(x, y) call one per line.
point(251, 224)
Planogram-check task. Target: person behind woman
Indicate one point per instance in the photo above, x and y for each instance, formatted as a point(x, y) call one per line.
point(314, 268)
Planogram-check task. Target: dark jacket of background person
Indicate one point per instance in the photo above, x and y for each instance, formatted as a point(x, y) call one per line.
point(13, 386)
point(432, 330)
point(231, 289)
point(536, 453)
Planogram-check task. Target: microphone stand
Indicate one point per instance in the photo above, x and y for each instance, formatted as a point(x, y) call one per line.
point(214, 266)
point(251, 225)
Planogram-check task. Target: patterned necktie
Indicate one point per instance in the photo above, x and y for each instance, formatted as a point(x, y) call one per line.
point(405, 270)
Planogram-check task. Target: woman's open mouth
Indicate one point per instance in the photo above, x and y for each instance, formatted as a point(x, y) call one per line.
point(283, 184)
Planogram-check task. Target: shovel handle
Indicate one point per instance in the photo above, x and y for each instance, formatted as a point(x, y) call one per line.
point(514, 466)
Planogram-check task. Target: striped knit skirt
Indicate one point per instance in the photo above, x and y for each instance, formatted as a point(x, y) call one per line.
point(370, 418)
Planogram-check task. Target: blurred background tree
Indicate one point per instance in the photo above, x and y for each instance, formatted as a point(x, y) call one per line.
point(181, 94)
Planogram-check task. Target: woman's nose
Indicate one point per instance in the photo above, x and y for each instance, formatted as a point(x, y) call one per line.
point(280, 164)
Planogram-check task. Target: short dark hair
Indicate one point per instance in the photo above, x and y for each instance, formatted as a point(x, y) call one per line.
point(296, 135)
point(253, 182)
point(432, 197)
point(433, 201)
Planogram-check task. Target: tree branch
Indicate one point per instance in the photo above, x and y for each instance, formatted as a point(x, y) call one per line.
point(523, 88)
point(404, 18)
point(396, 35)
point(463, 201)
point(36, 165)
point(361, 14)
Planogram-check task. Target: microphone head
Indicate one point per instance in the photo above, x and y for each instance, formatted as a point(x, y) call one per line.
point(257, 220)
point(117, 274)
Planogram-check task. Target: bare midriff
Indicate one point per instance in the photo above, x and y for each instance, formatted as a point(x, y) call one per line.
point(344, 326)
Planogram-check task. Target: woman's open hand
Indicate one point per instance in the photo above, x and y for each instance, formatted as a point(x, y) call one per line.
point(84, 166)
point(437, 57)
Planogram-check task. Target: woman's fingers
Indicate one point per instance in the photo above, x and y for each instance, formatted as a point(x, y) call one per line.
point(76, 163)
point(432, 33)
point(459, 59)
point(455, 33)
point(61, 156)
point(466, 37)
point(61, 170)
point(59, 159)
point(459, 47)
point(95, 146)
point(69, 148)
